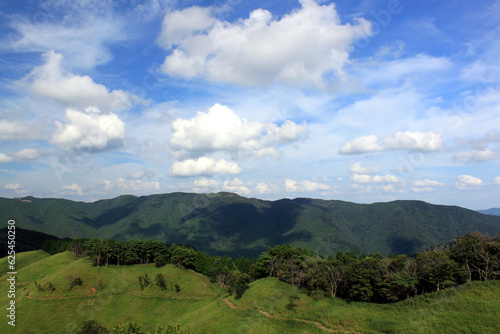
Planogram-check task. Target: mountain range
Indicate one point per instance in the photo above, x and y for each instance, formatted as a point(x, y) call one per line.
point(229, 224)
point(492, 211)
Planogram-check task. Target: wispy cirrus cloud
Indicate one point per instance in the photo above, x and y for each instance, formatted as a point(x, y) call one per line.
point(83, 37)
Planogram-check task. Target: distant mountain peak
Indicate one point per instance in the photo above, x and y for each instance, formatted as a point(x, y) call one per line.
point(492, 211)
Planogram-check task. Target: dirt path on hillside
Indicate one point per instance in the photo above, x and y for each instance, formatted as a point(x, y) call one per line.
point(201, 278)
point(165, 297)
point(231, 305)
point(64, 297)
point(317, 324)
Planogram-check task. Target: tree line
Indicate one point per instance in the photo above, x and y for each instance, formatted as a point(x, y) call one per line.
point(369, 278)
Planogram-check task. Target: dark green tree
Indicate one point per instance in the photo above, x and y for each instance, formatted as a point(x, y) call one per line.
point(161, 282)
point(92, 327)
point(182, 256)
point(74, 282)
point(365, 275)
point(238, 283)
point(144, 281)
point(160, 261)
point(435, 270)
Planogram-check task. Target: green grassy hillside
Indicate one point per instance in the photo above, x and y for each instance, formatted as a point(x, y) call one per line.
point(228, 224)
point(112, 296)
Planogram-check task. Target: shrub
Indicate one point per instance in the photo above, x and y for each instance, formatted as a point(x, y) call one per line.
point(50, 287)
point(92, 327)
point(176, 329)
point(39, 287)
point(291, 302)
point(128, 328)
point(144, 281)
point(160, 281)
point(74, 282)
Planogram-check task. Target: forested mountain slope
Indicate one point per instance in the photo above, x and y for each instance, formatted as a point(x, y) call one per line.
point(226, 223)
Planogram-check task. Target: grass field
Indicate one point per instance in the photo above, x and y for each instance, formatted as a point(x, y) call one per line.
point(112, 296)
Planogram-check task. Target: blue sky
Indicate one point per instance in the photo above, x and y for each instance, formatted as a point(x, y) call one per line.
point(363, 101)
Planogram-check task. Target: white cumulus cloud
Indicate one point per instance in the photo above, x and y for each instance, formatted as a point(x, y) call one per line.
point(89, 131)
point(476, 156)
point(141, 174)
point(496, 180)
point(181, 24)
point(422, 189)
point(361, 178)
point(123, 186)
point(12, 130)
point(73, 189)
point(26, 153)
point(465, 182)
point(385, 179)
point(267, 188)
point(17, 188)
point(51, 81)
point(209, 185)
point(4, 158)
point(389, 188)
point(363, 144)
point(304, 186)
point(428, 183)
point(203, 166)
point(365, 178)
point(13, 186)
point(221, 129)
point(361, 188)
point(357, 168)
point(425, 185)
point(298, 48)
point(425, 141)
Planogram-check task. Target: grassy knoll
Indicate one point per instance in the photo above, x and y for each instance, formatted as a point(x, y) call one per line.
point(112, 295)
point(24, 259)
point(472, 308)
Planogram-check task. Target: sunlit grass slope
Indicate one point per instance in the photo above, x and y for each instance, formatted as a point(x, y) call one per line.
point(112, 296)
point(471, 308)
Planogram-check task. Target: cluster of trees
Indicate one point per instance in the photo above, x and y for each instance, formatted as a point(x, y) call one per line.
point(160, 281)
point(373, 277)
point(93, 327)
point(111, 252)
point(50, 287)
